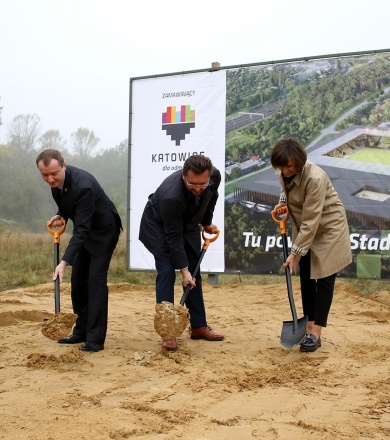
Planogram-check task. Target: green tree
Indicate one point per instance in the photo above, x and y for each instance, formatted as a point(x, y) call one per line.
point(25, 199)
point(84, 141)
point(235, 173)
point(52, 139)
point(23, 132)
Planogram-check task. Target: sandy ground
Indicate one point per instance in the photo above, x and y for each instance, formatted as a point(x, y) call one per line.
point(246, 387)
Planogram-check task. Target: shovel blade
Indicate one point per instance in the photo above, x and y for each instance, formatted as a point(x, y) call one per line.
point(293, 334)
point(59, 326)
point(170, 321)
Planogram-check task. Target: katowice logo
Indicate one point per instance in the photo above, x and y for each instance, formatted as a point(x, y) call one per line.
point(178, 123)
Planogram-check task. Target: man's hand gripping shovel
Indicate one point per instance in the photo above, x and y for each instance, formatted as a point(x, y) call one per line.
point(170, 321)
point(293, 331)
point(62, 323)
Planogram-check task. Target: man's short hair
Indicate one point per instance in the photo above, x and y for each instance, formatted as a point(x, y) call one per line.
point(198, 164)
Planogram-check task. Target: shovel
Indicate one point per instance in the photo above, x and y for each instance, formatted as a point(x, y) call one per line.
point(61, 325)
point(293, 331)
point(206, 242)
point(170, 321)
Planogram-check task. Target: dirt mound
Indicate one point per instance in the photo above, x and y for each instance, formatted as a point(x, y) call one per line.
point(247, 386)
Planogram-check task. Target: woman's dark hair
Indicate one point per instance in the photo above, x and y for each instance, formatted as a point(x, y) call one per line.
point(198, 164)
point(286, 149)
point(47, 155)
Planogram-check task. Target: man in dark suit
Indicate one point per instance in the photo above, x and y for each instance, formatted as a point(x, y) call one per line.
point(96, 230)
point(170, 230)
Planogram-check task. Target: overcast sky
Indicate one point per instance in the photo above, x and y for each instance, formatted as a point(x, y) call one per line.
point(70, 61)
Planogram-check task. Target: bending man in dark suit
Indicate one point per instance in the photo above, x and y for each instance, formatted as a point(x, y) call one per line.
point(96, 230)
point(170, 230)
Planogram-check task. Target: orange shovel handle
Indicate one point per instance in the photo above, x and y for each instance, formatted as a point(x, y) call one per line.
point(281, 222)
point(208, 240)
point(57, 233)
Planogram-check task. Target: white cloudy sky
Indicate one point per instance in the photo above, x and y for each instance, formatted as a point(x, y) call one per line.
point(70, 61)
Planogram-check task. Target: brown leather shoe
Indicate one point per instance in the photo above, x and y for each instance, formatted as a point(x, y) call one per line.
point(169, 344)
point(205, 333)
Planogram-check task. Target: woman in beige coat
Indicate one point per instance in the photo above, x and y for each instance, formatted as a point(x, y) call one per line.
point(320, 235)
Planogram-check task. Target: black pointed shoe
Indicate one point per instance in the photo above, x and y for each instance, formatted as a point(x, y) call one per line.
point(72, 339)
point(92, 346)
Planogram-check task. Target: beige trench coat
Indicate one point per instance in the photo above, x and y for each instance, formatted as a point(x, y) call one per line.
point(318, 220)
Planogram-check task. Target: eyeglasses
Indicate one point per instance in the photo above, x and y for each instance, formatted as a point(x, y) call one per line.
point(196, 185)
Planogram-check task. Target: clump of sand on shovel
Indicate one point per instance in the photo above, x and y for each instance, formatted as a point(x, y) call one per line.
point(59, 326)
point(170, 321)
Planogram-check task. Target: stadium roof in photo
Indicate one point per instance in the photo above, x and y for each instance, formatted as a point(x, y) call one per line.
point(363, 187)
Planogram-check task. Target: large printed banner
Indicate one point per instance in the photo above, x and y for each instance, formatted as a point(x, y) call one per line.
point(339, 107)
point(172, 118)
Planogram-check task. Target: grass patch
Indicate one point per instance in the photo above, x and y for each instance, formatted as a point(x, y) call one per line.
point(28, 260)
point(375, 155)
point(238, 139)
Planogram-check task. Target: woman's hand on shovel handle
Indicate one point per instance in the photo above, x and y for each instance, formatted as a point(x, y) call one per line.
point(187, 278)
point(290, 262)
point(280, 209)
point(60, 271)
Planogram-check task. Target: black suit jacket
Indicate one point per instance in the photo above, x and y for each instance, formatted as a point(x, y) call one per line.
point(172, 216)
point(94, 216)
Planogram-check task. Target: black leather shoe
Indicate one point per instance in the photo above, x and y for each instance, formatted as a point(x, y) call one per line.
point(92, 346)
point(310, 343)
point(72, 339)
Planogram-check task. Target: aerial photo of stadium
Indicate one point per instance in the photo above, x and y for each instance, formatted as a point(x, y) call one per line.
point(364, 187)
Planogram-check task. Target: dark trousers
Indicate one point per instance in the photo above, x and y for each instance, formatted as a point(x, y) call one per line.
point(89, 292)
point(165, 285)
point(317, 295)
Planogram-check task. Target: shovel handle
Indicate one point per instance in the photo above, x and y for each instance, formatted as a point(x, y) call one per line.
point(56, 233)
point(281, 221)
point(283, 231)
point(206, 243)
point(208, 240)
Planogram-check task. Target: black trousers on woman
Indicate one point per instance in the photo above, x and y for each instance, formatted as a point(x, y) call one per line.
point(317, 294)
